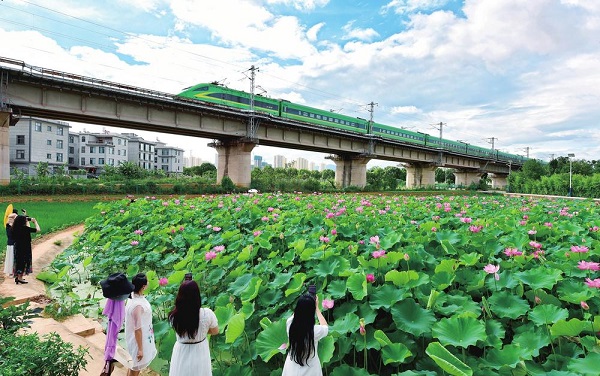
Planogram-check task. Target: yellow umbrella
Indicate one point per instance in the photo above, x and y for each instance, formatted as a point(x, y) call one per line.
point(9, 209)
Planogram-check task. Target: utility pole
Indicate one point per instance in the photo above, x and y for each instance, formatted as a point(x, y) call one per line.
point(252, 124)
point(491, 141)
point(526, 150)
point(370, 130)
point(441, 128)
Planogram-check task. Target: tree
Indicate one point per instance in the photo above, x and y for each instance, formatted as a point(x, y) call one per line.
point(533, 169)
point(42, 169)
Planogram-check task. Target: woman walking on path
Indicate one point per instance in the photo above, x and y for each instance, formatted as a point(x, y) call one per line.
point(193, 324)
point(139, 333)
point(21, 232)
point(304, 335)
point(9, 259)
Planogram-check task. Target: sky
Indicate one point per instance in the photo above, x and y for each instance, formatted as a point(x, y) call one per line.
point(524, 75)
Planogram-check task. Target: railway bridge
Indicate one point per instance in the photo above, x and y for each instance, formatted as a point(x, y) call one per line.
point(39, 92)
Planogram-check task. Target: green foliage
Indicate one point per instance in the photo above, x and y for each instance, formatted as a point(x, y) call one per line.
point(429, 307)
point(227, 184)
point(26, 354)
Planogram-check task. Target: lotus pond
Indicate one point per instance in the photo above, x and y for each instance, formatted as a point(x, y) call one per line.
point(459, 285)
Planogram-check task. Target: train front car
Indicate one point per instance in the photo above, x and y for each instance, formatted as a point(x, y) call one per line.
point(224, 96)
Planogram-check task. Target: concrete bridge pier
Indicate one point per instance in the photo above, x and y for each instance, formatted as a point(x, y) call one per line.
point(420, 175)
point(234, 160)
point(499, 181)
point(466, 178)
point(5, 122)
point(350, 170)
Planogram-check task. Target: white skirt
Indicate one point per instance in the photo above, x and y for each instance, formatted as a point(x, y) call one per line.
point(9, 260)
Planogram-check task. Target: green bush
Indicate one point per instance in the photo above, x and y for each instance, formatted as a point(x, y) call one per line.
point(27, 354)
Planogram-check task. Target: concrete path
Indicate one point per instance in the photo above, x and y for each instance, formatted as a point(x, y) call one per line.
point(77, 330)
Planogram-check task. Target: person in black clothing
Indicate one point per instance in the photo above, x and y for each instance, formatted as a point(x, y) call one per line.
point(22, 236)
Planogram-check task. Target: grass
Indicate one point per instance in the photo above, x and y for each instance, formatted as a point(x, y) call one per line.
point(51, 215)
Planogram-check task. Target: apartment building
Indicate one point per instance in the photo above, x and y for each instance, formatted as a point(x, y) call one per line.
point(34, 140)
point(168, 158)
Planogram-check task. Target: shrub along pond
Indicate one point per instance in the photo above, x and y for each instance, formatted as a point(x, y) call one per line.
point(462, 285)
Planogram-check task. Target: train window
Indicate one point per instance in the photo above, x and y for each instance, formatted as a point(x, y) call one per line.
point(201, 88)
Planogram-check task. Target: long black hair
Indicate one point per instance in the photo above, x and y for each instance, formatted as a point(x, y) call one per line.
point(185, 317)
point(302, 330)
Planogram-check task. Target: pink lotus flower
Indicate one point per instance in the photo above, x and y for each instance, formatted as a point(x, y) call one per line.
point(134, 242)
point(579, 249)
point(138, 232)
point(165, 203)
point(330, 215)
point(466, 220)
point(210, 255)
point(406, 257)
point(257, 233)
point(270, 209)
point(548, 224)
point(378, 254)
point(327, 303)
point(219, 248)
point(492, 269)
point(324, 239)
point(537, 300)
point(283, 346)
point(361, 242)
point(121, 211)
point(532, 232)
point(523, 223)
point(434, 229)
point(512, 252)
point(333, 232)
point(585, 265)
point(370, 278)
point(265, 219)
point(475, 229)
point(163, 281)
point(594, 229)
point(361, 327)
point(177, 202)
point(374, 239)
point(593, 282)
point(584, 305)
point(216, 229)
point(535, 245)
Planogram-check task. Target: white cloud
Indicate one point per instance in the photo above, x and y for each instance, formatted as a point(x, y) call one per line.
point(358, 33)
point(411, 6)
point(404, 110)
point(301, 4)
point(311, 34)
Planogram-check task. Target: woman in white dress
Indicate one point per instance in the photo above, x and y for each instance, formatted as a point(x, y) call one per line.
point(192, 324)
point(302, 358)
point(139, 332)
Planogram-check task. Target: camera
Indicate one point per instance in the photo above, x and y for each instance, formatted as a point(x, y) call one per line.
point(312, 290)
point(25, 214)
point(28, 219)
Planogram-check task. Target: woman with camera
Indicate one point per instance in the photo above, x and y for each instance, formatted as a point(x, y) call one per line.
point(304, 335)
point(21, 233)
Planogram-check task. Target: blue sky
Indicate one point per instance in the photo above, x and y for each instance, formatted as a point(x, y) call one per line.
point(525, 73)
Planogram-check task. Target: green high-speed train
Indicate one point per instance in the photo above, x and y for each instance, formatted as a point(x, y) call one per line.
point(221, 95)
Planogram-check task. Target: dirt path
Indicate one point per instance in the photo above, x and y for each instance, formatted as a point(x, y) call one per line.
point(44, 251)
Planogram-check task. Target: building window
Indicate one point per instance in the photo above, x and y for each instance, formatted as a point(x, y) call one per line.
point(59, 157)
point(92, 161)
point(71, 160)
point(20, 139)
point(48, 156)
point(49, 128)
point(124, 142)
point(119, 141)
point(38, 126)
point(119, 152)
point(101, 149)
point(71, 139)
point(125, 152)
point(20, 154)
point(92, 149)
point(59, 131)
point(82, 138)
point(83, 161)
point(59, 144)
point(100, 161)
point(71, 149)
point(48, 142)
point(83, 149)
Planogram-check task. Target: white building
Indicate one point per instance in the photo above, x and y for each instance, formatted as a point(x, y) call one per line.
point(168, 158)
point(36, 140)
point(279, 161)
